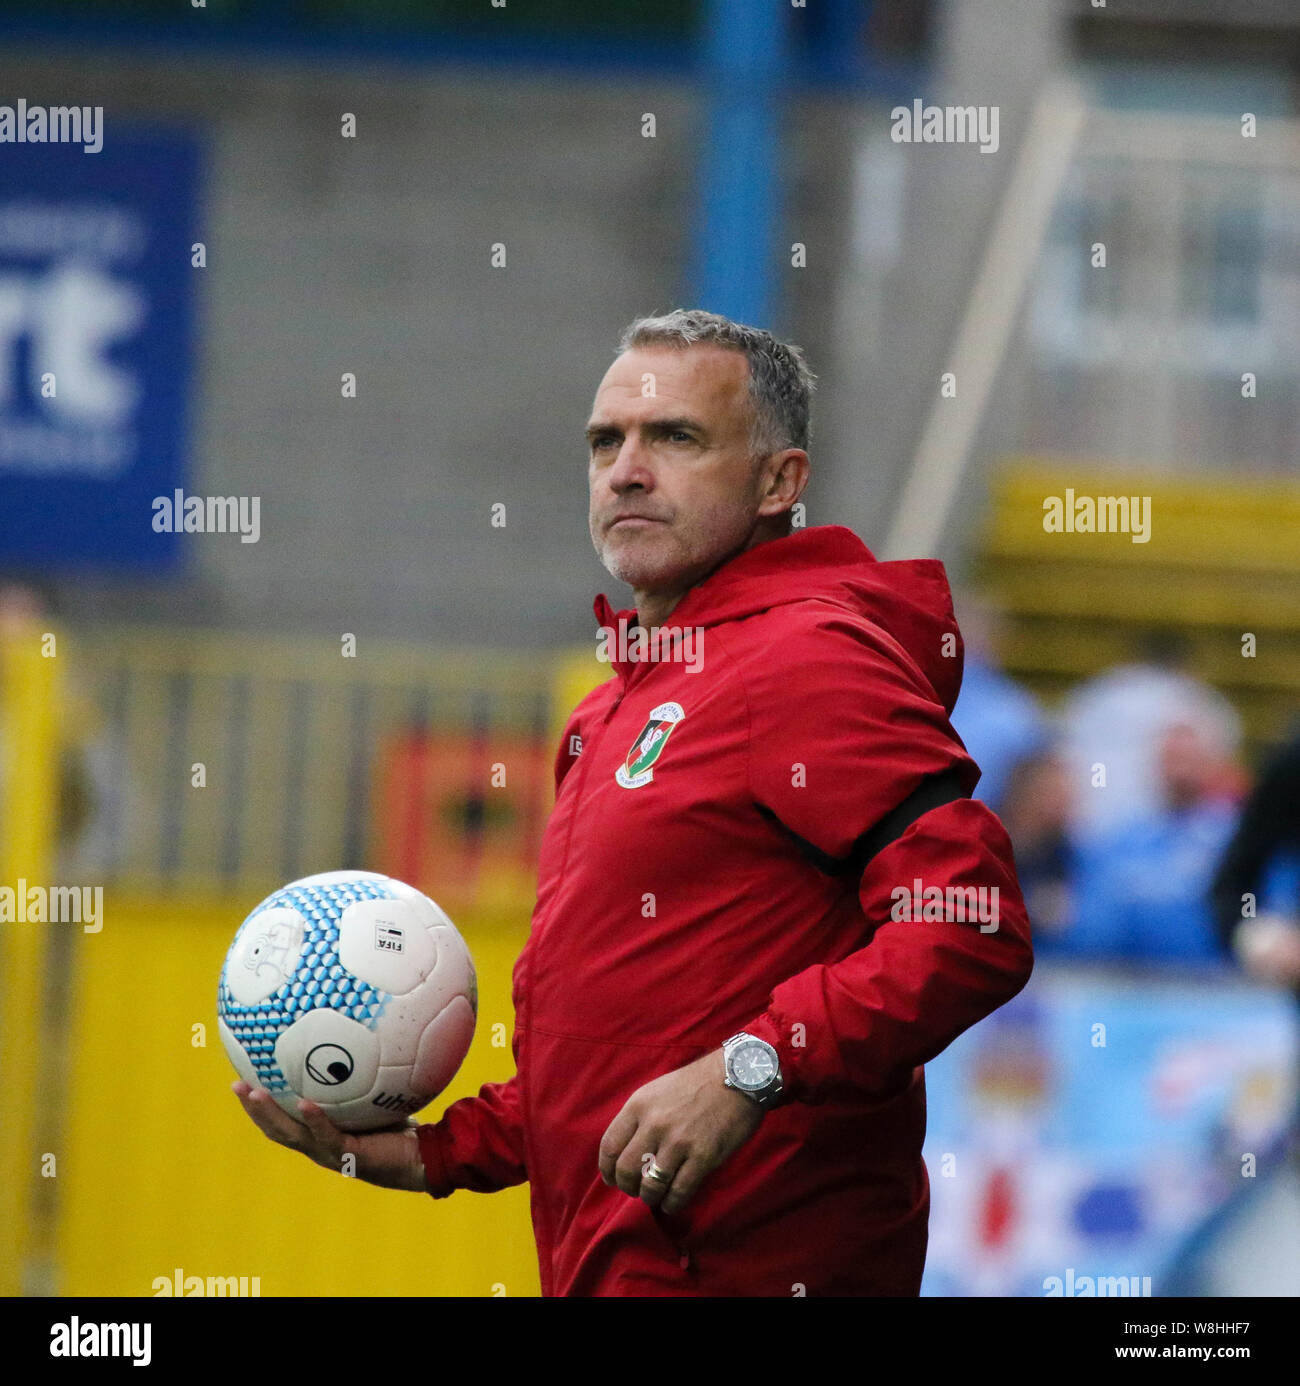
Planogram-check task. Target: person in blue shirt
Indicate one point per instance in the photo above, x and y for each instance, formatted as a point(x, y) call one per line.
point(1140, 890)
point(1001, 723)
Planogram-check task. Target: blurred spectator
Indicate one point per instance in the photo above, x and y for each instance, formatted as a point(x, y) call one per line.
point(1119, 720)
point(1000, 722)
point(21, 607)
point(1036, 816)
point(1267, 944)
point(91, 774)
point(1140, 887)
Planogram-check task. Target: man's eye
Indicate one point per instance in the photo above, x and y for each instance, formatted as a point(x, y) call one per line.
point(598, 443)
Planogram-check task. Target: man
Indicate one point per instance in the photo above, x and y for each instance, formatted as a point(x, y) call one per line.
point(1118, 719)
point(736, 966)
point(1001, 723)
point(1140, 889)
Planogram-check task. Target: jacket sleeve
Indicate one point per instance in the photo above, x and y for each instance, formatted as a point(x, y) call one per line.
point(478, 1144)
point(852, 733)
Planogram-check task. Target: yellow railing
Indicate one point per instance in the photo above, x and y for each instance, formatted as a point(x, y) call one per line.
point(29, 738)
point(229, 763)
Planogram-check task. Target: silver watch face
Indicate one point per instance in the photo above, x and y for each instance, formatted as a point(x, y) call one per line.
point(752, 1065)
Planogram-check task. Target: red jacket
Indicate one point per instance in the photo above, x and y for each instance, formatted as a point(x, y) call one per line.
point(698, 877)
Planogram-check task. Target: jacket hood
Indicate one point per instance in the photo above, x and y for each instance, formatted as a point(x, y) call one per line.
point(909, 599)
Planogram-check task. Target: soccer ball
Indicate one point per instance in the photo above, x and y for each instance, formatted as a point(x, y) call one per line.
point(351, 989)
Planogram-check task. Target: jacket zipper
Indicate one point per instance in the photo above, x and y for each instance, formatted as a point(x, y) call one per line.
point(683, 1252)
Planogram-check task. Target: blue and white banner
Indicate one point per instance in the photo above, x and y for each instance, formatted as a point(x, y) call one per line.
point(97, 291)
point(1080, 1137)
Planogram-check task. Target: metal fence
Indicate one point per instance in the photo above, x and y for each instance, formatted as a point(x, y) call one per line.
point(217, 763)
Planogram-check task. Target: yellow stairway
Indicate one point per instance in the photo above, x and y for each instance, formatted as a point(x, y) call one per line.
point(1221, 562)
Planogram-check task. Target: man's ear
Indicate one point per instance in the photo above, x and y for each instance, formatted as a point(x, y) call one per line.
point(787, 477)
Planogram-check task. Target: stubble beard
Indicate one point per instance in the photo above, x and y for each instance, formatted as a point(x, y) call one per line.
point(633, 569)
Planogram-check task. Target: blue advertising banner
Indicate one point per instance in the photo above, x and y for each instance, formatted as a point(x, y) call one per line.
point(1079, 1137)
point(96, 343)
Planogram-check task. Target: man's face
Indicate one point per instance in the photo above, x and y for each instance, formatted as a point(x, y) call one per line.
point(1188, 765)
point(678, 460)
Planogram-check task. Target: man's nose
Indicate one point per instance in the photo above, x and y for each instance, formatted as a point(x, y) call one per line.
point(631, 468)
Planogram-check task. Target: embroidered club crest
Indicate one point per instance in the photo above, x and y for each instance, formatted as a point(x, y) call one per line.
point(638, 768)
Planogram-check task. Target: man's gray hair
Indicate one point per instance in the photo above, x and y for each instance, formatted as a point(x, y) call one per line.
point(780, 381)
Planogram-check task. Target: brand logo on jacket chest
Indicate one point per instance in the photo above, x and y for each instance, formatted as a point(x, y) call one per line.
point(638, 768)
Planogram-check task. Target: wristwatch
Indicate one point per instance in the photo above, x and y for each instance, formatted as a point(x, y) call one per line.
point(753, 1067)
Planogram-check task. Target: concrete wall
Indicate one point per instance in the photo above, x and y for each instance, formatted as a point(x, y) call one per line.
point(371, 255)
